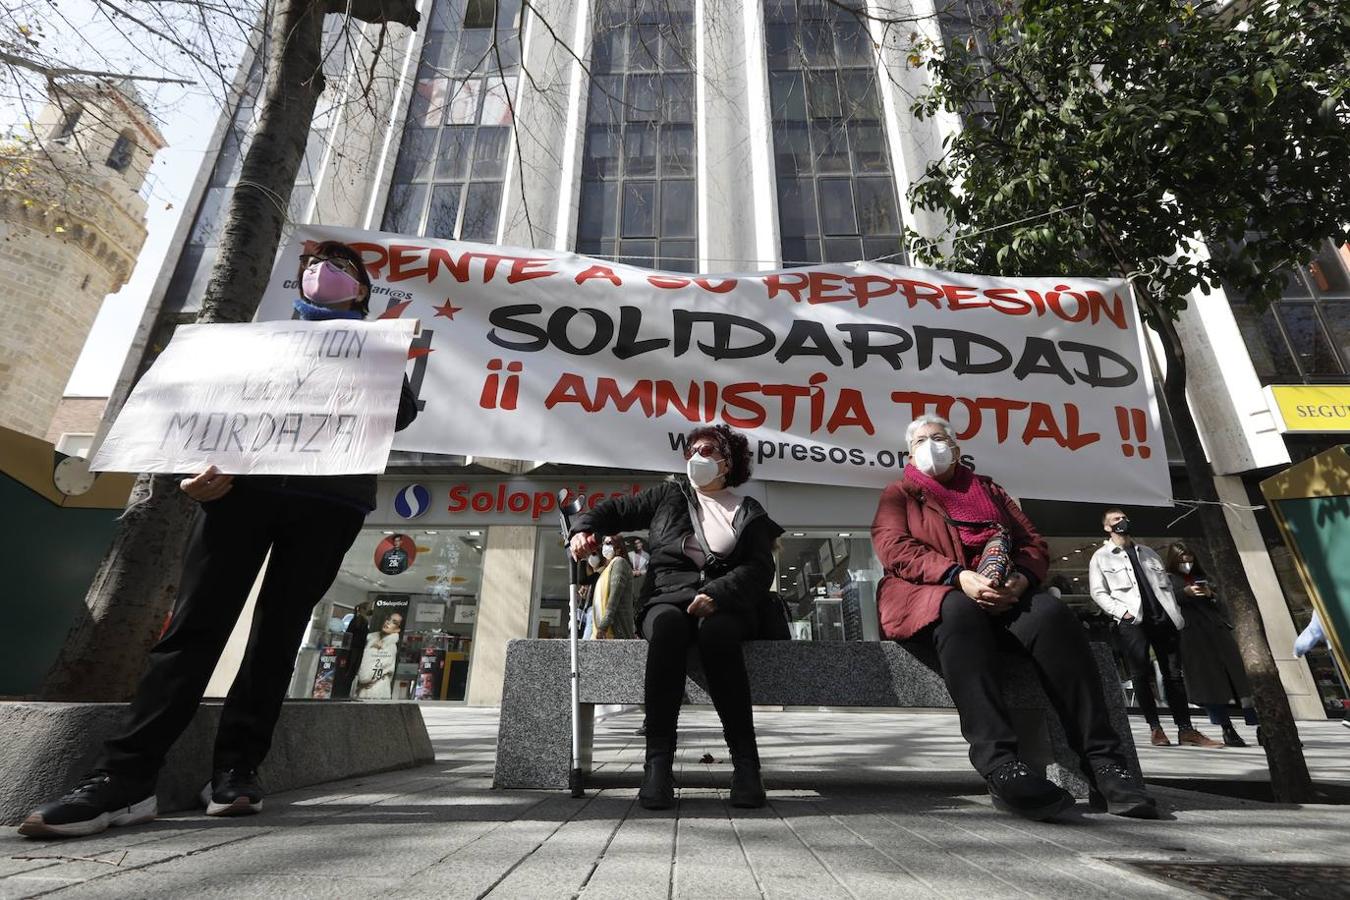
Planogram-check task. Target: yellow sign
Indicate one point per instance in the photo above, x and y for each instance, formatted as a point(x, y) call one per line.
point(1310, 407)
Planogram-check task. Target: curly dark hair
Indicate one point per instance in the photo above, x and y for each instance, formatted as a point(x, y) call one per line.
point(732, 446)
point(337, 248)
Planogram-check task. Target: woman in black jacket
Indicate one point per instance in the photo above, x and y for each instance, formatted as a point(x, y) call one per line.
point(707, 582)
point(307, 524)
point(1215, 675)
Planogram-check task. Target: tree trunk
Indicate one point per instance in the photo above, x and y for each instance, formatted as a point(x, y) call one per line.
point(1289, 779)
point(137, 582)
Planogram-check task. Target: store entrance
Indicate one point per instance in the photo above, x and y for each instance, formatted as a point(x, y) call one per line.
point(398, 623)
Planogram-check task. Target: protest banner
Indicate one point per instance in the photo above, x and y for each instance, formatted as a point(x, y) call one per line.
point(536, 355)
point(267, 398)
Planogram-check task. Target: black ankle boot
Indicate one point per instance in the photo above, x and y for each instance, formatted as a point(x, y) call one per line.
point(658, 776)
point(747, 788)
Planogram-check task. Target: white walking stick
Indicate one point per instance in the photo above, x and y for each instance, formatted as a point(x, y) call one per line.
point(566, 510)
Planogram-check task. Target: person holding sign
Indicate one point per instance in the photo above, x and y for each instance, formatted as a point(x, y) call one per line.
point(707, 583)
point(303, 527)
point(965, 569)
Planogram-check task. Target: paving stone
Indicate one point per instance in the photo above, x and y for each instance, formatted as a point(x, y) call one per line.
point(862, 805)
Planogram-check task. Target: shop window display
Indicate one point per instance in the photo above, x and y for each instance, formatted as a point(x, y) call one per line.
point(548, 614)
point(829, 580)
point(398, 623)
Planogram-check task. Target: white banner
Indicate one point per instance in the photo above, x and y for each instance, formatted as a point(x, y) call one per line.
point(268, 398)
point(529, 354)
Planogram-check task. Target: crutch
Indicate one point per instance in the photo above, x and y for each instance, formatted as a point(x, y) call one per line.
point(566, 510)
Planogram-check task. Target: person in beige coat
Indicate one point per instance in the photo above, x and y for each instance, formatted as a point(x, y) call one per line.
point(1129, 582)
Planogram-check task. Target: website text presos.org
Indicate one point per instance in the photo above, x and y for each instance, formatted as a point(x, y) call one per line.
point(765, 450)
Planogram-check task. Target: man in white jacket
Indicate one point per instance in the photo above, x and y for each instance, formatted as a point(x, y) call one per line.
point(1129, 582)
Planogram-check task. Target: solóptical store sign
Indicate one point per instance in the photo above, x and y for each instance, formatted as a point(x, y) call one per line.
point(505, 501)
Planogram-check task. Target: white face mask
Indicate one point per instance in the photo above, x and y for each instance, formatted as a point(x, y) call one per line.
point(594, 560)
point(1186, 568)
point(933, 457)
point(702, 471)
point(607, 551)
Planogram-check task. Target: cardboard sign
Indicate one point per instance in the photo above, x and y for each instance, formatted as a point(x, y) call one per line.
point(268, 398)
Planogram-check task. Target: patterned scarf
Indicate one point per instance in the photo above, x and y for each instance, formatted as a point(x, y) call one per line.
point(965, 498)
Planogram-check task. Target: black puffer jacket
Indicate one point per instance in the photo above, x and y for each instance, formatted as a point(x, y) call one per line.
point(349, 490)
point(738, 582)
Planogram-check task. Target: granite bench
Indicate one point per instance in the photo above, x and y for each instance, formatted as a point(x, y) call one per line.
point(534, 736)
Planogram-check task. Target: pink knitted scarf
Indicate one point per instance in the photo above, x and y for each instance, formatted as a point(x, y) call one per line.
point(965, 499)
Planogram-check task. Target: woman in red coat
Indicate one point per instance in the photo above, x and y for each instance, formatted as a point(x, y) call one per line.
point(931, 532)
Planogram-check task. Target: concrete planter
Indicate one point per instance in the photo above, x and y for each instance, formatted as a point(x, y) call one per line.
point(48, 746)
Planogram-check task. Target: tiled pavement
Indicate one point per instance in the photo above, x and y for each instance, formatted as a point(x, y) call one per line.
point(861, 805)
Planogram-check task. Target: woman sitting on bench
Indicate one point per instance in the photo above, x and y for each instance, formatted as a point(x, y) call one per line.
point(708, 578)
point(963, 568)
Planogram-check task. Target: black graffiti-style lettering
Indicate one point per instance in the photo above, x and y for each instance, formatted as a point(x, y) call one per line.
point(1092, 357)
point(1039, 357)
point(601, 334)
point(628, 345)
point(962, 344)
point(721, 336)
point(511, 319)
point(723, 326)
point(808, 337)
point(859, 343)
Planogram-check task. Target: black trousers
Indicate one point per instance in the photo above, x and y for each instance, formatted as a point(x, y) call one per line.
point(670, 632)
point(1133, 641)
point(966, 640)
point(230, 538)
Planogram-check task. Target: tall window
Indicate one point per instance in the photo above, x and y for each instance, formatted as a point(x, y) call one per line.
point(638, 202)
point(69, 120)
point(836, 195)
point(119, 157)
point(452, 160)
point(1305, 335)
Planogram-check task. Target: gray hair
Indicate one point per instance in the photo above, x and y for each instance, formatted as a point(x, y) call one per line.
point(928, 420)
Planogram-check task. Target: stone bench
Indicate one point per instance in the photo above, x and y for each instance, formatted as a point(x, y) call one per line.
point(534, 736)
point(48, 746)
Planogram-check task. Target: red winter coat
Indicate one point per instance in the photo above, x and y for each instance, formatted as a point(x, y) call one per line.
point(917, 547)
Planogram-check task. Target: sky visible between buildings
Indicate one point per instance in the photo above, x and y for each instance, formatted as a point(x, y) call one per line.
point(186, 115)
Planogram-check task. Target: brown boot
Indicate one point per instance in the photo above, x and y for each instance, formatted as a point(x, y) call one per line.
point(1189, 737)
point(1159, 737)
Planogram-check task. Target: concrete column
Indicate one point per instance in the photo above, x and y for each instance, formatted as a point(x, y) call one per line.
point(1298, 682)
point(503, 608)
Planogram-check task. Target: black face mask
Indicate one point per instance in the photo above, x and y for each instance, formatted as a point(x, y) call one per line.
point(1121, 527)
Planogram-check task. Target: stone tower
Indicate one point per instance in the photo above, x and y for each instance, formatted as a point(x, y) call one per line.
point(72, 222)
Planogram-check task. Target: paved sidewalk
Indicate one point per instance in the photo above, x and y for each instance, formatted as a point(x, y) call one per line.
point(861, 805)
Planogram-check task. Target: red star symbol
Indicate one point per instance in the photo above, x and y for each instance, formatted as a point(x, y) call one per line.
point(446, 309)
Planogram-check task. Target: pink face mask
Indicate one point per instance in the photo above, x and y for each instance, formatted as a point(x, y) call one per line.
point(326, 284)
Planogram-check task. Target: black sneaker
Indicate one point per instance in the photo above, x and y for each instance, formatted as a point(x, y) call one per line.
point(1120, 793)
point(1017, 789)
point(233, 792)
point(100, 800)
